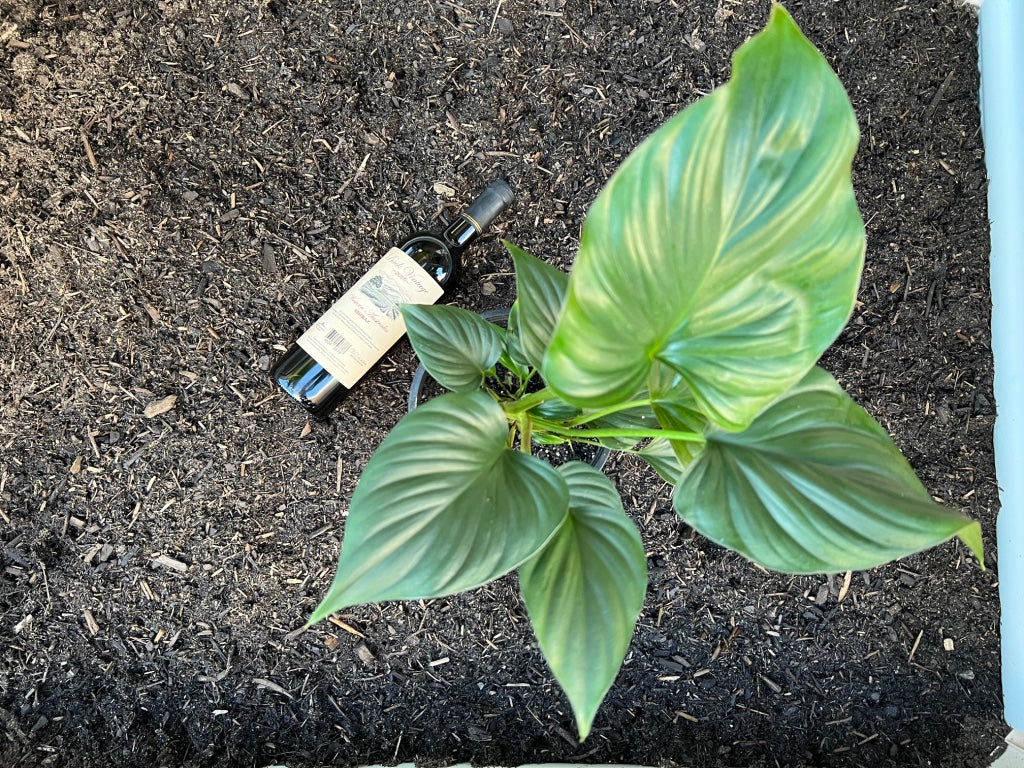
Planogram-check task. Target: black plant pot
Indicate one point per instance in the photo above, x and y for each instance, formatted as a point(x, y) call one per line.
point(424, 387)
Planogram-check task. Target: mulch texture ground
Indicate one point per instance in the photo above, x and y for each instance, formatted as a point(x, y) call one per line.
point(186, 184)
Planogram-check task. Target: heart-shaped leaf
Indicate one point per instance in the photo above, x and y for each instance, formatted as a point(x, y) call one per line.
point(728, 245)
point(444, 506)
point(457, 347)
point(814, 485)
point(540, 289)
point(584, 591)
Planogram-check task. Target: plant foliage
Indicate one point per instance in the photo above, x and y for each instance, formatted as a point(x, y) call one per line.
point(715, 267)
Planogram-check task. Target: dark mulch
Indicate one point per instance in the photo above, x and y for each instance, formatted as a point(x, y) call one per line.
point(185, 184)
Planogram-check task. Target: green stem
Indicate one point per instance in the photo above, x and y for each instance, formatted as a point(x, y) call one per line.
point(492, 375)
point(639, 434)
point(526, 432)
point(511, 436)
point(586, 418)
point(524, 382)
point(526, 402)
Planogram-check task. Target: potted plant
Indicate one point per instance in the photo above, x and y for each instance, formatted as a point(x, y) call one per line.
point(715, 267)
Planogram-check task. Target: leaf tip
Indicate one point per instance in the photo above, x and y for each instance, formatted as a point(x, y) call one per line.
point(970, 535)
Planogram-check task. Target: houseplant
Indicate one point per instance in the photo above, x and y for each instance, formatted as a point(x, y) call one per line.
point(715, 267)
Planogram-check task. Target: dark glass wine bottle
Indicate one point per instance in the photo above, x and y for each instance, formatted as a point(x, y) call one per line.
point(321, 367)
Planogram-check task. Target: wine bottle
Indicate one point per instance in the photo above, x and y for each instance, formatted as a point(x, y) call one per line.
point(326, 361)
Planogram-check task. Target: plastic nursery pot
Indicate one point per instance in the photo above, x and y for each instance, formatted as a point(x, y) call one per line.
point(424, 387)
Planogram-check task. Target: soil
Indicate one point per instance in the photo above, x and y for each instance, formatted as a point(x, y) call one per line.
point(186, 184)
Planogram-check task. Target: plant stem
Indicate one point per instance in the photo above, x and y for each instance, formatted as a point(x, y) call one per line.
point(526, 402)
point(526, 434)
point(588, 417)
point(524, 382)
point(510, 441)
point(639, 434)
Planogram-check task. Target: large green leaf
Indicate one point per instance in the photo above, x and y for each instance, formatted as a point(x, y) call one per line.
point(814, 485)
point(728, 245)
point(585, 589)
point(540, 289)
point(457, 347)
point(444, 506)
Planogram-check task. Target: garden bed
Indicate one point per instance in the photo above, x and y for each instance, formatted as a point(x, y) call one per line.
point(185, 185)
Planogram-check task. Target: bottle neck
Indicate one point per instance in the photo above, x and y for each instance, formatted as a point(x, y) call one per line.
point(460, 232)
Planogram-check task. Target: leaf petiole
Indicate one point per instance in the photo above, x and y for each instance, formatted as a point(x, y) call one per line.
point(639, 434)
point(586, 418)
point(526, 402)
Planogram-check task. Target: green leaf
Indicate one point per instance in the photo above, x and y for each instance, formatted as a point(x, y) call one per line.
point(585, 589)
point(540, 289)
point(660, 454)
point(457, 347)
point(814, 485)
point(555, 410)
point(514, 358)
point(727, 246)
point(444, 506)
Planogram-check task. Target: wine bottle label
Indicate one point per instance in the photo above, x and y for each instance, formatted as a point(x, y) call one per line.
point(366, 321)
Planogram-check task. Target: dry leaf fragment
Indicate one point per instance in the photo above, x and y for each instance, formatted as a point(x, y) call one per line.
point(158, 407)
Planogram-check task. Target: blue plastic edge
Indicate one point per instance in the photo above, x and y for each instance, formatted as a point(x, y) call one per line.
point(1001, 61)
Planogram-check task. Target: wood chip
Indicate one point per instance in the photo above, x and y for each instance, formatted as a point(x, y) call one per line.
point(237, 91)
point(846, 586)
point(306, 429)
point(947, 643)
point(158, 407)
point(365, 654)
point(350, 629)
point(166, 561)
point(917, 642)
point(262, 683)
point(90, 622)
point(76, 465)
point(776, 688)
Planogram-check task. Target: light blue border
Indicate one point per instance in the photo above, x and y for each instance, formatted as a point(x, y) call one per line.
point(1001, 60)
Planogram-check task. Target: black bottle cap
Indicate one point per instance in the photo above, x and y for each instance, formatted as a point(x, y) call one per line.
point(491, 202)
